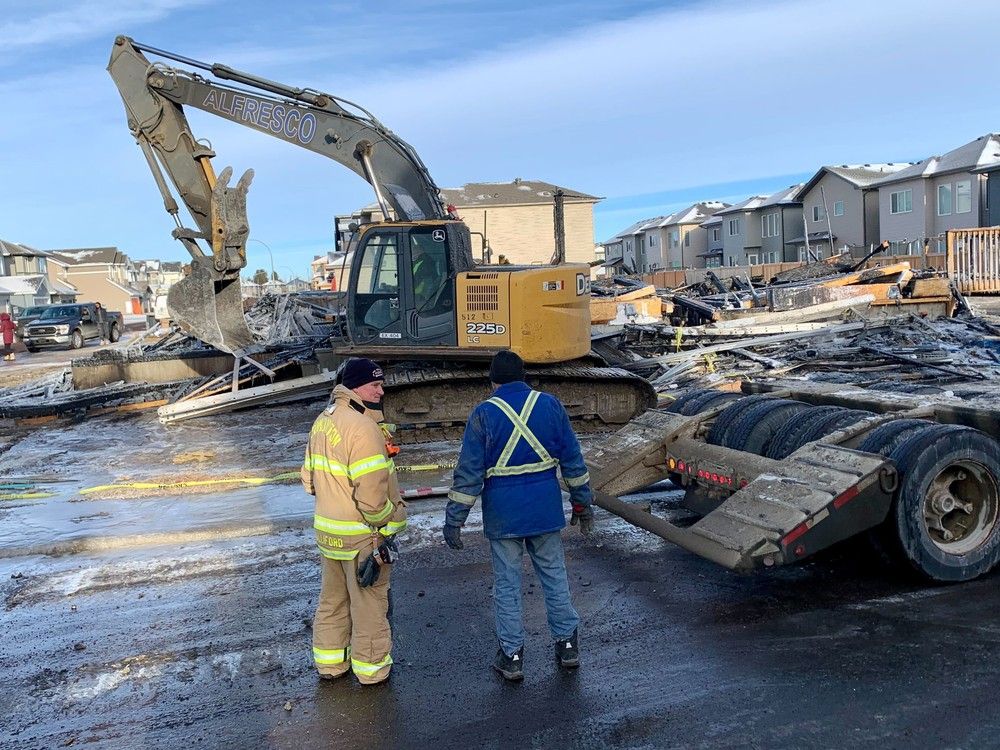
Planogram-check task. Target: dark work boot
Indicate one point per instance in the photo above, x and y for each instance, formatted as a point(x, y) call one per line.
point(568, 652)
point(511, 667)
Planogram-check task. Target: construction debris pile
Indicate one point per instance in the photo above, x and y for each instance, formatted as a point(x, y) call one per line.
point(288, 328)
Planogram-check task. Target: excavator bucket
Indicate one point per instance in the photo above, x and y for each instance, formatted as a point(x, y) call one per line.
point(211, 307)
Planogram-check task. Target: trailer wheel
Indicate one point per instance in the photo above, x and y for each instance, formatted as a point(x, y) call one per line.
point(731, 414)
point(710, 400)
point(946, 513)
point(791, 436)
point(685, 398)
point(845, 418)
point(757, 426)
point(885, 438)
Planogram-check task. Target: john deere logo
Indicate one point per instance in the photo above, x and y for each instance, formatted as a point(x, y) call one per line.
point(582, 284)
point(438, 235)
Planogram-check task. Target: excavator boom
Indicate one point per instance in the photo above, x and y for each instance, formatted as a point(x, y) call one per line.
point(155, 94)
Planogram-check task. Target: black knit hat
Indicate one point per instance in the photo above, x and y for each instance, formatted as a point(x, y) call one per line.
point(359, 372)
point(506, 367)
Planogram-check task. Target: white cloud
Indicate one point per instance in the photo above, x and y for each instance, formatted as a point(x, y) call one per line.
point(84, 19)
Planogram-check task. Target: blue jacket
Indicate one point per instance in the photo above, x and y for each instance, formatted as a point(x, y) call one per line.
point(523, 497)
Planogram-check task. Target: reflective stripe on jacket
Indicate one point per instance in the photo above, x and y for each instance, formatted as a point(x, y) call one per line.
point(512, 446)
point(348, 469)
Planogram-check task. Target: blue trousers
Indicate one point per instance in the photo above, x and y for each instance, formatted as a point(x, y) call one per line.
point(549, 561)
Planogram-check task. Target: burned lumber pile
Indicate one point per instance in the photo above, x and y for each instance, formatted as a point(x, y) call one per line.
point(156, 371)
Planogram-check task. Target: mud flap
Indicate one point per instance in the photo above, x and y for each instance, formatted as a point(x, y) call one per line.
point(211, 307)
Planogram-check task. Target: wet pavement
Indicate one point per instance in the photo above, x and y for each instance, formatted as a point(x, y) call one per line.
point(171, 619)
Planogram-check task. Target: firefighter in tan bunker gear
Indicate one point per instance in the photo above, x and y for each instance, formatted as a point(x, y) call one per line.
point(358, 505)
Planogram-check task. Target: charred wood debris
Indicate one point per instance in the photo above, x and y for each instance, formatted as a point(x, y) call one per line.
point(821, 322)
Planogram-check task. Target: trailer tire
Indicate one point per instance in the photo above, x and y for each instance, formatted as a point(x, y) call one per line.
point(685, 398)
point(711, 400)
point(794, 434)
point(946, 513)
point(758, 426)
point(885, 438)
point(731, 414)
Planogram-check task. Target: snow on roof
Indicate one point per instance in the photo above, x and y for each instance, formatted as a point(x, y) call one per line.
point(20, 284)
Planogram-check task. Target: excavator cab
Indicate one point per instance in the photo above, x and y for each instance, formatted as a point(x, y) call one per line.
point(402, 284)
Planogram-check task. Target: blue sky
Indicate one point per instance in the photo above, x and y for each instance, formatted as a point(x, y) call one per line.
point(649, 105)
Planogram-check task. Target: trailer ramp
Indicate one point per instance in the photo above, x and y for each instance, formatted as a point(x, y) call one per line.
point(769, 512)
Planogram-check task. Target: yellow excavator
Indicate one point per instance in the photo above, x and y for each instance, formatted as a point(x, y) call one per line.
point(416, 299)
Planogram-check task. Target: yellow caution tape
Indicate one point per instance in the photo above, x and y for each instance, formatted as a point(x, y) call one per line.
point(27, 496)
point(193, 483)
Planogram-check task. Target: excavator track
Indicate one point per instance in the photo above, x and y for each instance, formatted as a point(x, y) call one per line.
point(432, 403)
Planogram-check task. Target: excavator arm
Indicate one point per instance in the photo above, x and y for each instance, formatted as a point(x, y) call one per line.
point(155, 94)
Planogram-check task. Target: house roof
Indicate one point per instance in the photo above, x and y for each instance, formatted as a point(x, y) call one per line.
point(15, 248)
point(813, 237)
point(859, 175)
point(712, 220)
point(509, 193)
point(696, 213)
point(981, 154)
point(61, 287)
point(749, 204)
point(76, 257)
point(788, 196)
point(170, 266)
point(21, 284)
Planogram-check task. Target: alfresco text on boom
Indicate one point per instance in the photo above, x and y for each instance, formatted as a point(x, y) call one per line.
point(290, 122)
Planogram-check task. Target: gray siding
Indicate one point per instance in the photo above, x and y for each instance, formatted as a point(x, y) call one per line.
point(697, 242)
point(990, 209)
point(770, 244)
point(734, 246)
point(848, 229)
point(791, 227)
point(904, 226)
point(873, 232)
point(940, 224)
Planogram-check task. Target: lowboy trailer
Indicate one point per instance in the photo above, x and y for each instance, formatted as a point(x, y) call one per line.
point(782, 470)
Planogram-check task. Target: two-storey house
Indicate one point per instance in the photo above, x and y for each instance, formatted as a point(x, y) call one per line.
point(682, 244)
point(917, 205)
point(740, 234)
point(100, 274)
point(841, 199)
point(778, 218)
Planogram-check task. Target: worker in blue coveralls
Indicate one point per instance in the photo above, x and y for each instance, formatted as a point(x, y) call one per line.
point(513, 445)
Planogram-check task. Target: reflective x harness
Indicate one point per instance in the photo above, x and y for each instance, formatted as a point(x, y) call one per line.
point(521, 431)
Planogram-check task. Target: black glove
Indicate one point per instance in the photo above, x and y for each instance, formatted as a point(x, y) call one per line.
point(387, 552)
point(453, 536)
point(368, 571)
point(583, 515)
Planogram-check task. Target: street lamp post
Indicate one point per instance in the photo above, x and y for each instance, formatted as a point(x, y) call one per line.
point(269, 255)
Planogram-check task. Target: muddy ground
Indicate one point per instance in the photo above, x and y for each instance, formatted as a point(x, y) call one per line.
point(179, 619)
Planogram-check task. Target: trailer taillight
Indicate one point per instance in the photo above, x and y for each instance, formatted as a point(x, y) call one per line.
point(845, 497)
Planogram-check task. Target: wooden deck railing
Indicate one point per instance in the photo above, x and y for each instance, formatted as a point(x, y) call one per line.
point(973, 259)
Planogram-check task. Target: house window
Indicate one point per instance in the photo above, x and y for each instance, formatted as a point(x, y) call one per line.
point(963, 197)
point(716, 235)
point(944, 199)
point(628, 245)
point(734, 227)
point(732, 260)
point(687, 239)
point(803, 255)
point(752, 259)
point(652, 240)
point(674, 237)
point(818, 213)
point(901, 202)
point(838, 208)
point(770, 225)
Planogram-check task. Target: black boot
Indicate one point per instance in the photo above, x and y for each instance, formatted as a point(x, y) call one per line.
point(568, 652)
point(511, 667)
